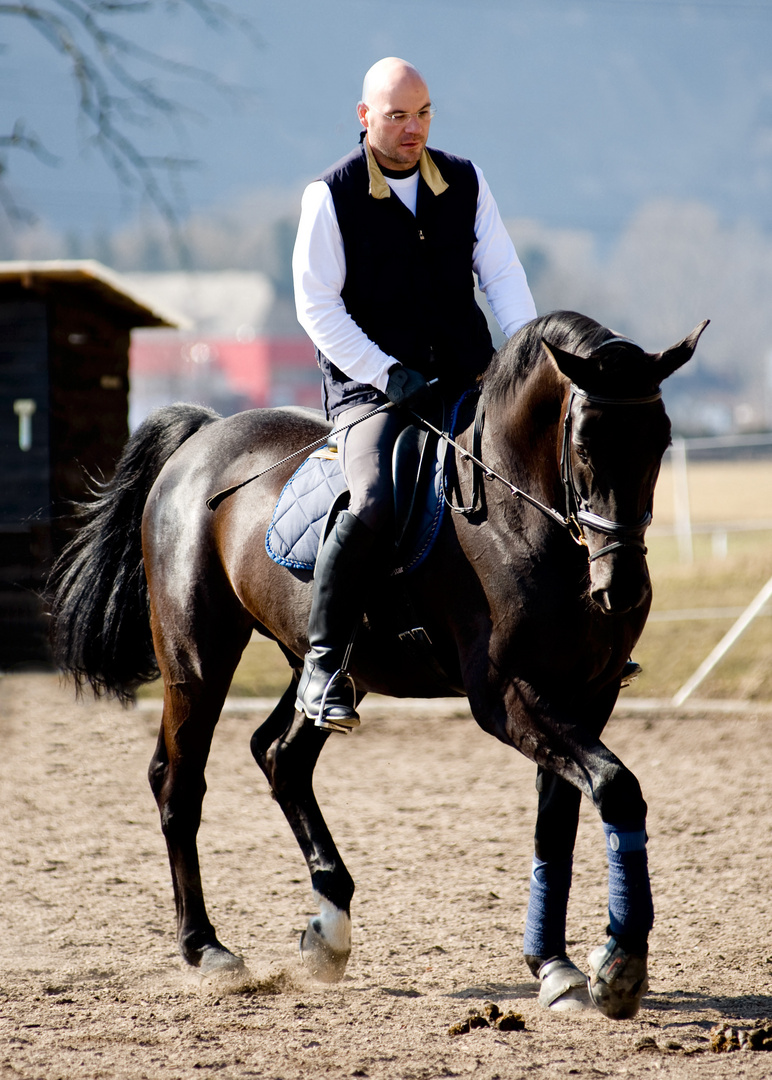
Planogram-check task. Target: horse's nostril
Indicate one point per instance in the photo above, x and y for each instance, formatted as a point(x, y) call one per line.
point(602, 599)
point(615, 601)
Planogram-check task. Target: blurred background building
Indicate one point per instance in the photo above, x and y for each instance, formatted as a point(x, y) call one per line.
point(241, 349)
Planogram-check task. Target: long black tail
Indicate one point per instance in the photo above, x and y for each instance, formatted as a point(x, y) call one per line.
point(97, 594)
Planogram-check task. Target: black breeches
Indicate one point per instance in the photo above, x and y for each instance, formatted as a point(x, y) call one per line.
point(366, 459)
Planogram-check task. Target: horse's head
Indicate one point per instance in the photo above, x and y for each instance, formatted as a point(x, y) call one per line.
point(615, 432)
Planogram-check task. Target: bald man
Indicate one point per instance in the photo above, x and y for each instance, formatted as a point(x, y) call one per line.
point(388, 242)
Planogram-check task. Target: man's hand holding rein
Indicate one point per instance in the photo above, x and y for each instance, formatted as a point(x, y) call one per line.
point(406, 386)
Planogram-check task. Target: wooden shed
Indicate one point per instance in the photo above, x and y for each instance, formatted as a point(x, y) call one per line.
point(64, 385)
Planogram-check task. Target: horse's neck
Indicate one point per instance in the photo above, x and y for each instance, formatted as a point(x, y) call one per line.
point(524, 429)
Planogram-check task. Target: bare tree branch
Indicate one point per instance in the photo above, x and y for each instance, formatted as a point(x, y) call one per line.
point(114, 98)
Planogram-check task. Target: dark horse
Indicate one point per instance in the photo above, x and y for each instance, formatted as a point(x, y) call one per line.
point(532, 603)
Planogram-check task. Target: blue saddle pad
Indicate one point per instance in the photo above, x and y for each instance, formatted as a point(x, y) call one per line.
point(300, 513)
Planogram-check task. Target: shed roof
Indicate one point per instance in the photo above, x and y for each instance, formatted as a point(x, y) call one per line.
point(93, 276)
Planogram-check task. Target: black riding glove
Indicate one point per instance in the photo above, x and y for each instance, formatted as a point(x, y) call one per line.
point(406, 386)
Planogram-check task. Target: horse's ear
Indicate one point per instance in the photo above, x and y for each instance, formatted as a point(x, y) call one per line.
point(572, 366)
point(676, 356)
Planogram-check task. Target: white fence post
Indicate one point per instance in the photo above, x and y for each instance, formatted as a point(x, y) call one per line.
point(681, 509)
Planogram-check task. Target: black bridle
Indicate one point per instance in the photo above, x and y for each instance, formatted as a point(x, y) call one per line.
point(577, 516)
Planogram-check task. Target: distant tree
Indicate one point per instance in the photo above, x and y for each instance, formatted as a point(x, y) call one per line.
point(674, 263)
point(117, 91)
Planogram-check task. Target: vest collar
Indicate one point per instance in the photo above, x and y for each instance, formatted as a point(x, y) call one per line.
point(379, 189)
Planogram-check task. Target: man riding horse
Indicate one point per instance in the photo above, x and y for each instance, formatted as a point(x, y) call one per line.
point(388, 241)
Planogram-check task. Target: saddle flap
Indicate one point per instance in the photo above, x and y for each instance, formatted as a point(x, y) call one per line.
point(417, 465)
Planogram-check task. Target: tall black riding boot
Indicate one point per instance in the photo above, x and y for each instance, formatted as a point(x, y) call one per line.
point(325, 693)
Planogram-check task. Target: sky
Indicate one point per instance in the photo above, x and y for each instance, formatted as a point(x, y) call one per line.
point(578, 111)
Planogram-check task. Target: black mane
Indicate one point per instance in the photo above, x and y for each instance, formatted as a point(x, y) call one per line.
point(567, 329)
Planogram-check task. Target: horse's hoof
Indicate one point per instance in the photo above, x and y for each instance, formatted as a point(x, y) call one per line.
point(617, 981)
point(563, 986)
point(217, 960)
point(319, 958)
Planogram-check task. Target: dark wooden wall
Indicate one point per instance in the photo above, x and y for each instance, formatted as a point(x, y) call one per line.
point(66, 350)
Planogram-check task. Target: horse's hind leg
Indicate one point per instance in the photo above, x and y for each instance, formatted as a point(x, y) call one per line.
point(287, 747)
point(563, 985)
point(191, 710)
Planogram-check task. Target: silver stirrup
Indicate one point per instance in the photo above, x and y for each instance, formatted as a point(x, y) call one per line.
point(328, 724)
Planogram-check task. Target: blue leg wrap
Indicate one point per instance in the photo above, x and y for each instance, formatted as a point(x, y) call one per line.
point(630, 908)
point(545, 924)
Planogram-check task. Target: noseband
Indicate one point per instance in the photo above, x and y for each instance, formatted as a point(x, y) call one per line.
point(577, 516)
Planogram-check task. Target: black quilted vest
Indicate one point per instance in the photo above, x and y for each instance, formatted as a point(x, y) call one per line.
point(409, 282)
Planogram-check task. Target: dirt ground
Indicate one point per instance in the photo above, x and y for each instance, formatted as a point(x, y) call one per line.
point(435, 820)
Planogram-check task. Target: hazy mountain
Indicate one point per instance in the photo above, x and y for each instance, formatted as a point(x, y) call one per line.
point(578, 111)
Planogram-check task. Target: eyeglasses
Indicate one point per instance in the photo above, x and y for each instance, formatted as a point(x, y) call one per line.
point(424, 115)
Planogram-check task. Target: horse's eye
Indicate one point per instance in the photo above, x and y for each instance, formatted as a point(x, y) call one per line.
point(582, 453)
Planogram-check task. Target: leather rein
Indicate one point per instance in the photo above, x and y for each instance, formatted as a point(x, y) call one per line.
point(576, 516)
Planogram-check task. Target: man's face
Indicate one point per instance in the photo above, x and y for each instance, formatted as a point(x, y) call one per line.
point(396, 145)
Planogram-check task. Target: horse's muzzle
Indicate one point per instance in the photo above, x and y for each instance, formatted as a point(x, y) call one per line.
point(620, 584)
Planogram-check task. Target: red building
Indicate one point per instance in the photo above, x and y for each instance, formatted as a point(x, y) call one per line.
point(241, 348)
point(228, 374)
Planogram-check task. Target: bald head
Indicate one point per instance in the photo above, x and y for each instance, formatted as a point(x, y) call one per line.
point(388, 76)
point(395, 111)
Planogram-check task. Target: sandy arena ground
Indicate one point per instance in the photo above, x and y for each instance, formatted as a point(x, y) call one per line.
point(435, 820)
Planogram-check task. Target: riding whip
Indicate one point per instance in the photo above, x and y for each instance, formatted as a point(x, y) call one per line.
point(215, 500)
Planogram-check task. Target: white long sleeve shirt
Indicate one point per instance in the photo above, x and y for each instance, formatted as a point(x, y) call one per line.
point(319, 273)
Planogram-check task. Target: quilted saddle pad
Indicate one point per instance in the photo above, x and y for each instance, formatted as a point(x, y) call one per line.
point(299, 516)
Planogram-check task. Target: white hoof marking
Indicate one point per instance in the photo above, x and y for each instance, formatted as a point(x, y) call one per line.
point(333, 925)
point(326, 943)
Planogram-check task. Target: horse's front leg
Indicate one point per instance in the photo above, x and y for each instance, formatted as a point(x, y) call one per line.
point(287, 748)
point(570, 751)
point(618, 970)
point(563, 986)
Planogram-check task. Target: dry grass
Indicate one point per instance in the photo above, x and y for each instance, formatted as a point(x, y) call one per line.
point(670, 651)
point(721, 491)
point(263, 671)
